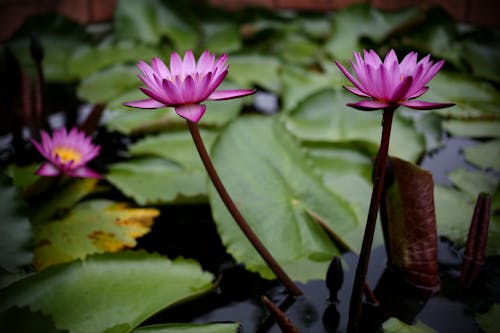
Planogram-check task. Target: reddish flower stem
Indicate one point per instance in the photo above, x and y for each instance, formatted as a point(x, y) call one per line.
point(355, 306)
point(240, 220)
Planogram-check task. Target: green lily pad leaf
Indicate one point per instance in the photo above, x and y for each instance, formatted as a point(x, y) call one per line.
point(249, 70)
point(60, 200)
point(347, 172)
point(325, 117)
point(474, 99)
point(429, 125)
point(89, 59)
point(473, 182)
point(103, 86)
point(15, 228)
point(23, 176)
point(489, 321)
point(473, 128)
point(274, 185)
point(296, 49)
point(299, 83)
point(94, 226)
point(150, 20)
point(481, 49)
point(190, 328)
point(221, 37)
point(454, 211)
point(394, 325)
point(24, 320)
point(155, 180)
point(175, 146)
point(101, 294)
point(484, 155)
point(362, 20)
point(314, 26)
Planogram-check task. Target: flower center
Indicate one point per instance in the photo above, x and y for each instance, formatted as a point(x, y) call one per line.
point(67, 154)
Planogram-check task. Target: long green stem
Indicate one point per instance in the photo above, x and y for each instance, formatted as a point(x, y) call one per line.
point(240, 220)
point(355, 306)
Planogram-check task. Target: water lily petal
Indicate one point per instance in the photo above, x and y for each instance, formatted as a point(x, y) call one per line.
point(421, 105)
point(189, 64)
point(356, 91)
point(48, 170)
point(402, 89)
point(228, 94)
point(175, 64)
point(148, 103)
point(369, 105)
point(192, 112)
point(160, 68)
point(349, 76)
point(84, 172)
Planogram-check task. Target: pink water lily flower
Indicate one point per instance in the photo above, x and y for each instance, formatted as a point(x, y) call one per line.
point(389, 84)
point(186, 84)
point(66, 153)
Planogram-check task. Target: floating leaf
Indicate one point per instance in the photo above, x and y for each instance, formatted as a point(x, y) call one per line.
point(103, 86)
point(150, 20)
point(89, 59)
point(485, 155)
point(139, 121)
point(190, 328)
point(394, 325)
point(175, 146)
point(61, 199)
point(296, 49)
point(481, 49)
point(361, 20)
point(325, 117)
point(221, 37)
point(94, 226)
point(24, 320)
point(23, 176)
point(249, 70)
point(474, 99)
point(473, 128)
point(15, 228)
point(473, 182)
point(102, 293)
point(276, 189)
point(489, 321)
point(157, 181)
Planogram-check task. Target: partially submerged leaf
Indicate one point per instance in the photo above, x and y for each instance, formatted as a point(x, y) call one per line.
point(22, 319)
point(249, 70)
point(103, 292)
point(273, 184)
point(153, 180)
point(473, 128)
point(485, 155)
point(94, 226)
point(325, 117)
point(394, 325)
point(489, 321)
point(61, 199)
point(190, 328)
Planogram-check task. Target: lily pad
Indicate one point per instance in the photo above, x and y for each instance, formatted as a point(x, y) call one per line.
point(155, 180)
point(102, 293)
point(394, 325)
point(15, 228)
point(94, 226)
point(103, 86)
point(150, 20)
point(325, 117)
point(276, 189)
point(221, 37)
point(361, 20)
point(489, 321)
point(473, 128)
point(23, 320)
point(484, 155)
point(175, 146)
point(190, 328)
point(250, 70)
point(473, 182)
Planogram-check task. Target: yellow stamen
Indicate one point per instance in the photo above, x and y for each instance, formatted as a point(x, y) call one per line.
point(67, 154)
